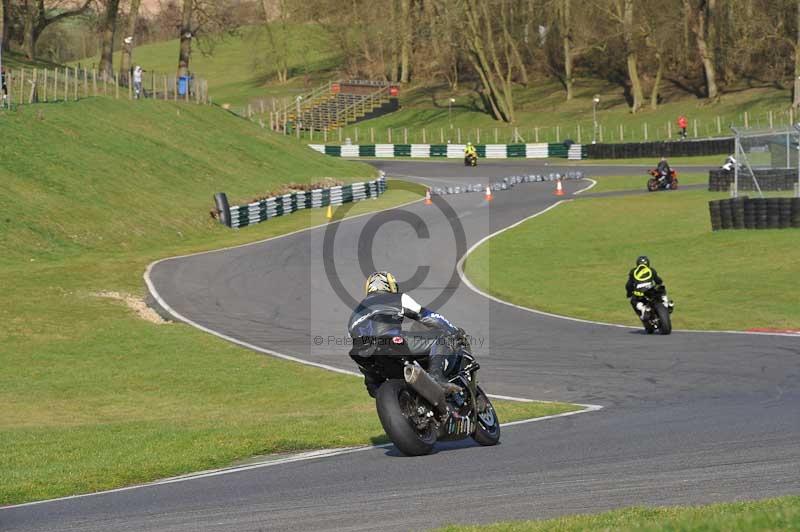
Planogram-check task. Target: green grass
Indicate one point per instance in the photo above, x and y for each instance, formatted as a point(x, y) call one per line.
point(633, 182)
point(770, 514)
point(95, 397)
point(585, 248)
point(238, 68)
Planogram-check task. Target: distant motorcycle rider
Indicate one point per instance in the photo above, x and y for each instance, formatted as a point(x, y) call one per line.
point(663, 170)
point(641, 279)
point(378, 320)
point(470, 150)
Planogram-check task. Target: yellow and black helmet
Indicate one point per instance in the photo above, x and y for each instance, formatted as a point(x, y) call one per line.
point(381, 282)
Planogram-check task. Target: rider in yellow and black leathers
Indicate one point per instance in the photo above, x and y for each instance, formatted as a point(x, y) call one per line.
point(641, 279)
point(470, 150)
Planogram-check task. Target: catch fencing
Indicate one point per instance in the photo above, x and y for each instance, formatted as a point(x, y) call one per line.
point(454, 151)
point(260, 211)
point(27, 86)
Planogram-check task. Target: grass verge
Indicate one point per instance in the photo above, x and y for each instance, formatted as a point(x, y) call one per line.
point(585, 248)
point(93, 396)
point(771, 514)
point(633, 182)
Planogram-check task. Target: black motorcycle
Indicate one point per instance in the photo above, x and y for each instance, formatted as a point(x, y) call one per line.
point(657, 311)
point(471, 159)
point(662, 181)
point(415, 411)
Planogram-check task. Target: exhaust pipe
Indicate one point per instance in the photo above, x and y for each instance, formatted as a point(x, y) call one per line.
point(425, 385)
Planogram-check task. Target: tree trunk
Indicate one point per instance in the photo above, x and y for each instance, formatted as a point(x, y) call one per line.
point(626, 14)
point(796, 98)
point(566, 31)
point(127, 43)
point(705, 45)
point(657, 82)
point(3, 24)
point(29, 29)
point(405, 43)
point(186, 38)
point(106, 66)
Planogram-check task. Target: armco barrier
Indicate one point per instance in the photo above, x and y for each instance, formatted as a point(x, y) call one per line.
point(683, 148)
point(455, 151)
point(754, 213)
point(720, 180)
point(259, 211)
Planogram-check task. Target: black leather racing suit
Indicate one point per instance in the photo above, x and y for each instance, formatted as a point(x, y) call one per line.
point(635, 290)
point(381, 315)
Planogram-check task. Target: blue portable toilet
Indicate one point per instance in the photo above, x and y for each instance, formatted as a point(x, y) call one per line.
point(183, 84)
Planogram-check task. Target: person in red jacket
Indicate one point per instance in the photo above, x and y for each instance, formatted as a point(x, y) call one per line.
point(683, 124)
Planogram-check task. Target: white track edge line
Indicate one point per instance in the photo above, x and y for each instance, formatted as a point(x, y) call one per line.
point(586, 188)
point(300, 457)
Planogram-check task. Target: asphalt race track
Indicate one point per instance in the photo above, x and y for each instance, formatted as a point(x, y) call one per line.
point(689, 418)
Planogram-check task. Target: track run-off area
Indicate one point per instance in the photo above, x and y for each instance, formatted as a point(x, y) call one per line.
point(690, 418)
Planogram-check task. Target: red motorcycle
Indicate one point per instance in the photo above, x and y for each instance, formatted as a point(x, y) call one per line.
point(662, 181)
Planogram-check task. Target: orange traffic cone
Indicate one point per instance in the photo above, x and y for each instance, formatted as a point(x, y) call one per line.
point(488, 193)
point(428, 197)
point(559, 188)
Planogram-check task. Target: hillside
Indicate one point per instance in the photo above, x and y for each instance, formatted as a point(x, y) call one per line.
point(239, 75)
point(118, 175)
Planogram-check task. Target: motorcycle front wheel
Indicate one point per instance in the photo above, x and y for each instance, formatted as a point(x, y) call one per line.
point(488, 430)
point(652, 184)
point(398, 409)
point(664, 318)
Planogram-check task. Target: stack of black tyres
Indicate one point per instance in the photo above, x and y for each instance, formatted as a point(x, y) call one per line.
point(760, 210)
point(737, 212)
point(726, 214)
point(795, 222)
point(749, 213)
point(785, 213)
point(714, 211)
point(773, 213)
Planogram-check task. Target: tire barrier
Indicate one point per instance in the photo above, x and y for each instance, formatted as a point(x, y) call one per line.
point(260, 211)
point(683, 148)
point(504, 184)
point(754, 213)
point(720, 180)
point(456, 151)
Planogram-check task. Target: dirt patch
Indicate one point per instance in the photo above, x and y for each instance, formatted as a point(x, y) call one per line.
point(134, 303)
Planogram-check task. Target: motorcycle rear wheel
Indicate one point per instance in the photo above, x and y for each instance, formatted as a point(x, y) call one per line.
point(664, 318)
point(488, 430)
point(396, 403)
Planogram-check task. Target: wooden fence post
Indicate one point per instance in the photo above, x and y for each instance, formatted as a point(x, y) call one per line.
point(85, 83)
point(719, 126)
point(94, 82)
point(372, 135)
point(536, 134)
point(579, 133)
point(645, 131)
point(441, 135)
point(44, 86)
point(669, 129)
point(116, 86)
point(459, 135)
point(356, 134)
point(22, 85)
point(477, 135)
point(621, 133)
point(66, 84)
point(424, 141)
point(770, 119)
point(694, 123)
point(746, 120)
point(405, 135)
point(77, 82)
point(55, 84)
point(558, 133)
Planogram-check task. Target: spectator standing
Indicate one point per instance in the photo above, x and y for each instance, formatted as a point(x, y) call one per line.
point(683, 124)
point(137, 81)
point(4, 86)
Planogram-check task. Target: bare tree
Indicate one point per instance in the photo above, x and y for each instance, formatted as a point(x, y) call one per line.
point(276, 12)
point(108, 32)
point(187, 33)
point(623, 15)
point(36, 19)
point(128, 40)
point(490, 56)
point(705, 32)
